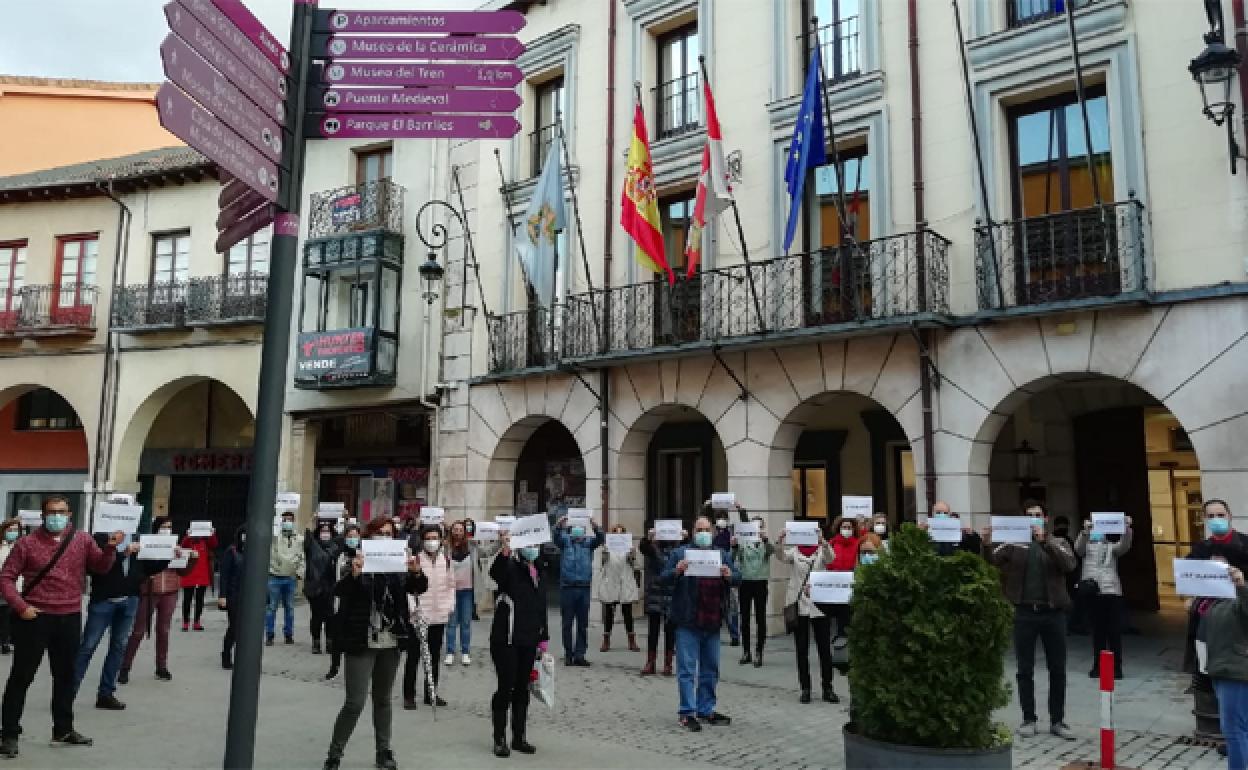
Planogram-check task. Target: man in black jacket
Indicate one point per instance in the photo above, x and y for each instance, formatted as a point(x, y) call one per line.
point(114, 603)
point(227, 596)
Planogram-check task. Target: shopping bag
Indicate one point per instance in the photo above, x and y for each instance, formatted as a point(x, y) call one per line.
point(543, 688)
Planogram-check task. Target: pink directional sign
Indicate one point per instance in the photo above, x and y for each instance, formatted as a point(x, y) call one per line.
point(413, 22)
point(231, 190)
point(450, 48)
point(366, 74)
point(198, 128)
point(207, 86)
point(236, 210)
point(249, 25)
point(238, 43)
point(208, 46)
point(415, 127)
point(414, 100)
point(248, 225)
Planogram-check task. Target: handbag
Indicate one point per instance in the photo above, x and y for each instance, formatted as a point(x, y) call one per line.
point(790, 610)
point(1088, 589)
point(38, 578)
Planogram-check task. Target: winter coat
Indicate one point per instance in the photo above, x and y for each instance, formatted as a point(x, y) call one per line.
point(1233, 547)
point(125, 577)
point(356, 599)
point(1100, 561)
point(319, 561)
point(844, 553)
point(483, 556)
point(200, 573)
point(685, 589)
point(971, 543)
point(754, 560)
point(1056, 559)
point(231, 574)
point(658, 596)
point(1225, 631)
point(798, 566)
point(617, 580)
point(520, 614)
point(6, 548)
point(286, 556)
point(576, 562)
point(438, 600)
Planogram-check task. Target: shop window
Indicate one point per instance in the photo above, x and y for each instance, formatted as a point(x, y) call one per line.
point(44, 409)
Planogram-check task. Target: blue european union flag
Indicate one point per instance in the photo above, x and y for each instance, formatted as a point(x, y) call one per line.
point(806, 149)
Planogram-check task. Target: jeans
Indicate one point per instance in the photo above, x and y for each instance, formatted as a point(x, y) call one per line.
point(1107, 629)
point(608, 616)
point(281, 591)
point(59, 635)
point(753, 595)
point(512, 666)
point(369, 671)
point(1049, 625)
point(196, 593)
point(461, 621)
point(652, 638)
point(574, 608)
point(697, 670)
point(162, 606)
point(823, 646)
point(117, 618)
point(1233, 711)
point(412, 666)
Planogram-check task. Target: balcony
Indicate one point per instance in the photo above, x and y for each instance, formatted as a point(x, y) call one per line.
point(50, 311)
point(1076, 258)
point(150, 307)
point(346, 211)
point(214, 301)
point(832, 291)
point(839, 47)
point(678, 106)
point(1020, 13)
point(541, 144)
point(345, 358)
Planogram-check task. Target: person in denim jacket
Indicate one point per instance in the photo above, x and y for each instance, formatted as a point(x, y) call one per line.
point(576, 573)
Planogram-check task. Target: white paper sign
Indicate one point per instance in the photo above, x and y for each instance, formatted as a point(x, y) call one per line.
point(857, 506)
point(583, 515)
point(287, 501)
point(157, 547)
point(723, 501)
point(329, 510)
point(176, 563)
point(122, 497)
point(117, 517)
point(30, 518)
point(384, 555)
point(530, 530)
point(1010, 529)
point(486, 532)
point(703, 562)
point(801, 533)
point(431, 515)
point(201, 529)
point(945, 530)
point(1202, 577)
point(619, 542)
point(668, 529)
point(831, 587)
point(1109, 523)
point(746, 531)
point(504, 522)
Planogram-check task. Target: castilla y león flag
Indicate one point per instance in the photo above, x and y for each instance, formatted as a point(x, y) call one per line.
point(714, 193)
point(640, 215)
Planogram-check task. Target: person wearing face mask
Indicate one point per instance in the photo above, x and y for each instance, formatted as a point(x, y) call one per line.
point(576, 574)
point(754, 560)
point(723, 541)
point(462, 552)
point(801, 561)
point(320, 551)
point(617, 585)
point(698, 608)
point(373, 626)
point(50, 562)
point(658, 601)
point(1034, 581)
point(12, 529)
point(879, 528)
point(196, 581)
point(231, 589)
point(435, 606)
point(286, 566)
point(1100, 554)
point(971, 541)
point(158, 597)
point(844, 544)
point(342, 567)
point(519, 626)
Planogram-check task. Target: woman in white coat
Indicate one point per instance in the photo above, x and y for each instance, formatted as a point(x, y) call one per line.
point(617, 584)
point(801, 561)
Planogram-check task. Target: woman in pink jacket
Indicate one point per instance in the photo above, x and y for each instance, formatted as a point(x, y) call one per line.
point(435, 606)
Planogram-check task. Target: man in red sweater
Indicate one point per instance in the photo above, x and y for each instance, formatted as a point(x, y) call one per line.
point(48, 616)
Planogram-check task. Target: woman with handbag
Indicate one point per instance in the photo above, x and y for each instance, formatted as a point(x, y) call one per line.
point(617, 585)
point(658, 601)
point(802, 615)
point(1100, 588)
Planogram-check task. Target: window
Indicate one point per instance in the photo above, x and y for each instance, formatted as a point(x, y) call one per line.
point(549, 106)
point(75, 268)
point(1049, 155)
point(678, 105)
point(171, 258)
point(810, 491)
point(44, 409)
point(250, 256)
point(12, 274)
point(837, 277)
point(675, 214)
point(374, 165)
point(1022, 12)
point(678, 315)
point(839, 38)
point(854, 175)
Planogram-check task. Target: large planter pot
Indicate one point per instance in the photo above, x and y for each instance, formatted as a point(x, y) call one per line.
point(867, 754)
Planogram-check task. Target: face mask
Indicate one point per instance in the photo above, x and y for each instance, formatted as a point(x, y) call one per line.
point(529, 552)
point(578, 532)
point(353, 542)
point(847, 533)
point(164, 531)
point(870, 558)
point(941, 515)
point(1097, 537)
point(702, 539)
point(10, 536)
point(880, 529)
point(469, 530)
point(288, 526)
point(55, 522)
point(722, 524)
point(1037, 521)
point(432, 546)
point(1219, 526)
point(325, 537)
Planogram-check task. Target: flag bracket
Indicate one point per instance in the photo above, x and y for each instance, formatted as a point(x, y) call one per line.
point(745, 394)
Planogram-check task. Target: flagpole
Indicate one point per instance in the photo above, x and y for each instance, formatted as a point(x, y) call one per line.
point(515, 235)
point(580, 231)
point(846, 231)
point(554, 291)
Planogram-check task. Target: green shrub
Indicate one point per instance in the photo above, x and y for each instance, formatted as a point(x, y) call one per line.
point(927, 647)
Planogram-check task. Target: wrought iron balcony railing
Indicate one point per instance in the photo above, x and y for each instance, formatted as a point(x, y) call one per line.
point(839, 44)
point(876, 282)
point(1023, 12)
point(355, 208)
point(678, 106)
point(39, 310)
point(150, 307)
point(542, 143)
point(224, 300)
point(1072, 255)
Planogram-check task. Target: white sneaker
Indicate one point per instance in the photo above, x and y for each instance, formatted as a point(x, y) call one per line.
point(449, 660)
point(466, 659)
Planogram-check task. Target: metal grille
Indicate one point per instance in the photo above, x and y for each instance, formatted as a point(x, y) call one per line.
point(150, 306)
point(678, 108)
point(1023, 12)
point(69, 306)
point(839, 48)
point(343, 210)
point(541, 144)
point(238, 297)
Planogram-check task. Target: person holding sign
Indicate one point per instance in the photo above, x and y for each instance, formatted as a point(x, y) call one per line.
point(50, 563)
point(435, 606)
point(373, 627)
point(462, 552)
point(342, 567)
point(12, 529)
point(698, 608)
point(617, 584)
point(576, 574)
point(1034, 579)
point(195, 583)
point(158, 596)
point(659, 600)
point(1224, 542)
point(971, 542)
point(320, 551)
point(720, 507)
point(800, 561)
point(231, 589)
point(519, 626)
point(286, 566)
point(1099, 578)
point(754, 559)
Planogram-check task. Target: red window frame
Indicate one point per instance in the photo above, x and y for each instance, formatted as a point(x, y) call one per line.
point(61, 240)
point(13, 247)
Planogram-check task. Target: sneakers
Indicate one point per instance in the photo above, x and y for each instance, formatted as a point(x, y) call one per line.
point(8, 748)
point(409, 704)
point(198, 626)
point(804, 697)
point(227, 661)
point(186, 626)
point(71, 738)
point(290, 640)
point(331, 763)
point(465, 659)
point(163, 674)
point(109, 703)
point(316, 646)
point(580, 662)
point(1028, 728)
point(449, 660)
point(717, 719)
point(385, 760)
point(1063, 731)
point(690, 723)
point(123, 676)
point(333, 672)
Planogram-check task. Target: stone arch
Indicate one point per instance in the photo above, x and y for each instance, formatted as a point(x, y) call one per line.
point(78, 394)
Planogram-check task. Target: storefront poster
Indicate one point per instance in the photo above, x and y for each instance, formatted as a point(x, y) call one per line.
point(334, 355)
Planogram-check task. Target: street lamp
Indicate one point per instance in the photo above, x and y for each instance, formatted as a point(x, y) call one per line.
point(1214, 71)
point(1025, 469)
point(432, 273)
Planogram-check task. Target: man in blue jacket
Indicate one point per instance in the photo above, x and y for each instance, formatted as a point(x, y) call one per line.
point(576, 572)
point(698, 607)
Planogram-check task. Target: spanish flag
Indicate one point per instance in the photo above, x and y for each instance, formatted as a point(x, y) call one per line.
point(640, 215)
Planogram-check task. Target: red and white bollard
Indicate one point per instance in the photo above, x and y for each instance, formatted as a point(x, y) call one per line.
point(1107, 709)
